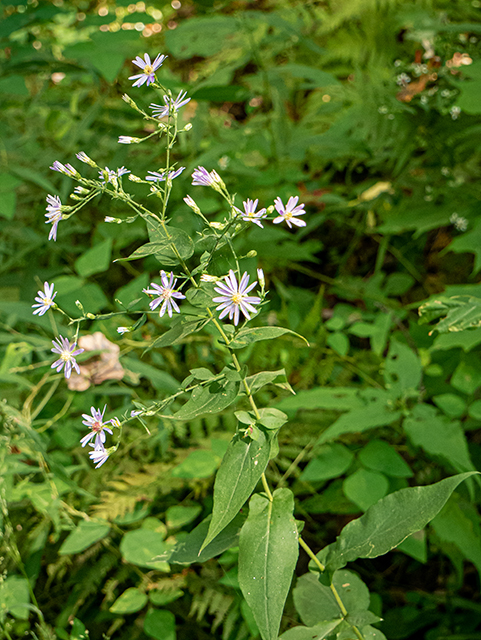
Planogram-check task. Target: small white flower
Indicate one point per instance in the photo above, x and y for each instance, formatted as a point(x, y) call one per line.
point(166, 294)
point(66, 169)
point(261, 278)
point(53, 215)
point(98, 426)
point(234, 297)
point(129, 140)
point(44, 299)
point(250, 215)
point(161, 111)
point(160, 177)
point(123, 330)
point(67, 353)
point(148, 69)
point(83, 157)
point(287, 213)
point(99, 456)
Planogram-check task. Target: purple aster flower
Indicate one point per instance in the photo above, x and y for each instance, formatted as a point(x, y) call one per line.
point(83, 157)
point(66, 169)
point(53, 215)
point(165, 294)
point(201, 177)
point(148, 69)
point(112, 175)
point(160, 111)
point(67, 353)
point(250, 215)
point(98, 426)
point(160, 177)
point(99, 456)
point(287, 213)
point(234, 297)
point(44, 299)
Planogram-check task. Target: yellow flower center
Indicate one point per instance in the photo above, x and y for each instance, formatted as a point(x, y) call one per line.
point(148, 68)
point(236, 298)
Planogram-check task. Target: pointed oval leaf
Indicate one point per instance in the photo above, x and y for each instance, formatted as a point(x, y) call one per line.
point(268, 550)
point(248, 336)
point(390, 521)
point(242, 466)
point(84, 536)
point(318, 632)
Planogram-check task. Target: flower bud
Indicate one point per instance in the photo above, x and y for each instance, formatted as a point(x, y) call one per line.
point(251, 254)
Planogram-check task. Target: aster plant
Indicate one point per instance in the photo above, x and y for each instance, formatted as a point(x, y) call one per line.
point(194, 294)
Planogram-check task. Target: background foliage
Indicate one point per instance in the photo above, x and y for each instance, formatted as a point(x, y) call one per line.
point(288, 98)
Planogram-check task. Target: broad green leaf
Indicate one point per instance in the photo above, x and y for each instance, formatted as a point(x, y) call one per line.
point(389, 522)
point(453, 525)
point(130, 601)
point(451, 404)
point(339, 342)
point(259, 380)
point(466, 377)
point(381, 456)
point(268, 550)
point(242, 466)
point(461, 312)
point(438, 436)
point(331, 461)
point(189, 550)
point(415, 546)
point(248, 336)
point(178, 516)
point(272, 418)
point(168, 237)
point(337, 398)
point(365, 487)
point(210, 398)
point(14, 595)
point(84, 536)
point(315, 602)
point(178, 332)
point(198, 464)
point(142, 548)
point(372, 416)
point(95, 260)
point(160, 624)
point(317, 632)
point(161, 598)
point(402, 370)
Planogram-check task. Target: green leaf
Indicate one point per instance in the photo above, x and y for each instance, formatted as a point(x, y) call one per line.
point(210, 398)
point(339, 342)
point(438, 436)
point(130, 601)
point(469, 242)
point(198, 464)
point(95, 260)
point(142, 548)
point(259, 380)
point(461, 312)
point(177, 333)
point(14, 84)
point(201, 36)
point(315, 602)
point(336, 398)
point(365, 488)
point(178, 516)
point(466, 377)
point(8, 201)
point(242, 466)
point(389, 522)
point(248, 336)
point(167, 237)
point(317, 632)
point(415, 546)
point(451, 404)
point(453, 525)
point(372, 416)
point(161, 380)
point(271, 418)
point(84, 536)
point(160, 624)
point(268, 550)
point(402, 371)
point(381, 456)
point(14, 595)
point(189, 550)
point(331, 461)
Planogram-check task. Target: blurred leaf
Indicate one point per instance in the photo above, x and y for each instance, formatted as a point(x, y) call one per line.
point(203, 36)
point(248, 336)
point(14, 595)
point(373, 415)
point(402, 370)
point(84, 536)
point(198, 464)
point(130, 601)
point(317, 632)
point(178, 516)
point(160, 624)
point(365, 487)
point(331, 461)
point(142, 548)
point(380, 456)
point(95, 260)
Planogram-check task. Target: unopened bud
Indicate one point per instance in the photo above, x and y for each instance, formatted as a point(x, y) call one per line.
point(90, 316)
point(188, 126)
point(251, 254)
point(133, 178)
point(79, 305)
point(217, 225)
